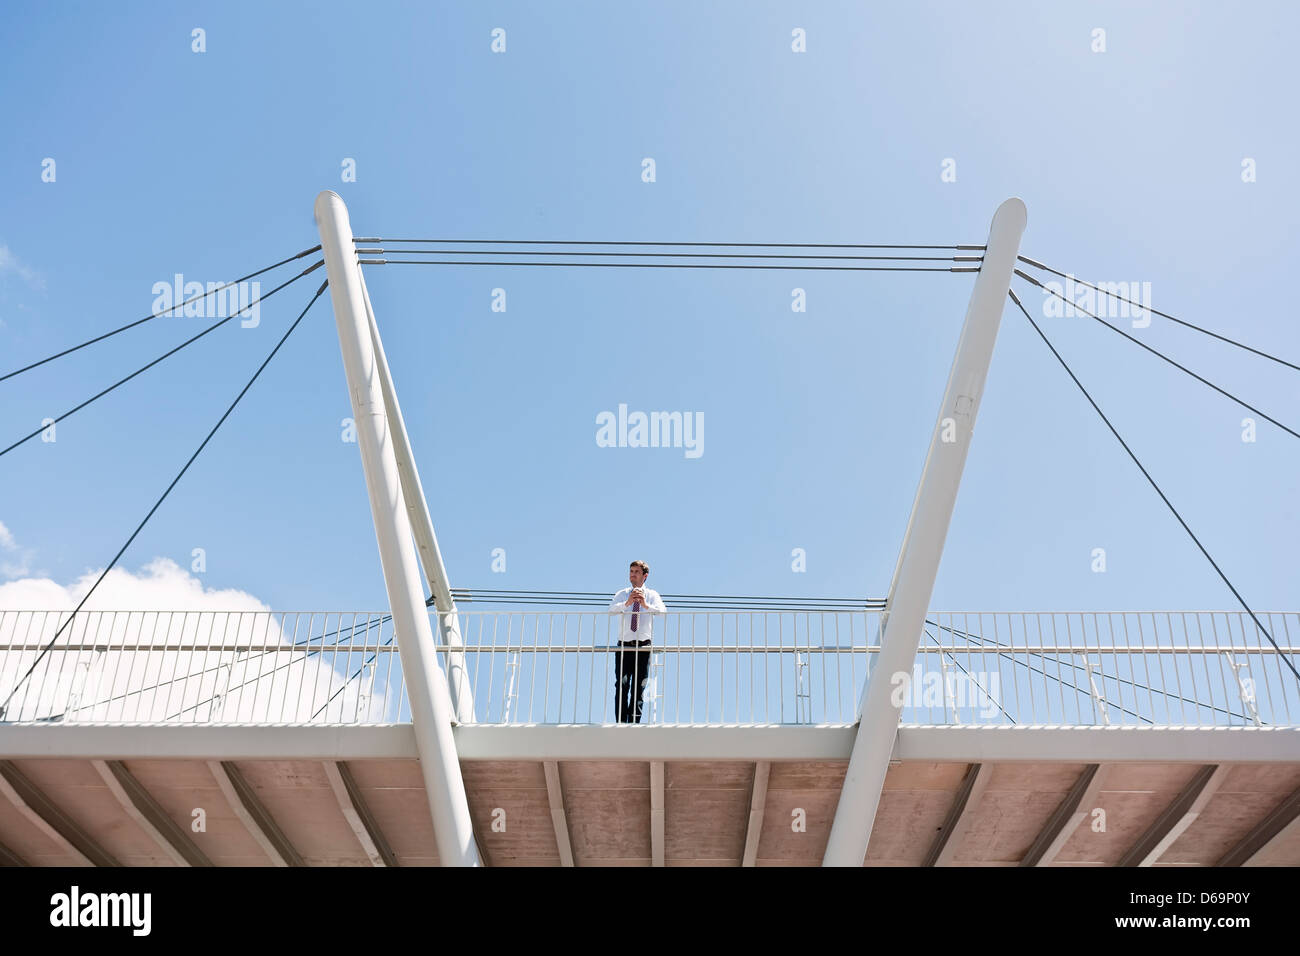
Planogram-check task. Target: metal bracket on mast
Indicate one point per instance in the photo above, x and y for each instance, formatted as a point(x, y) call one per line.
point(430, 700)
point(918, 561)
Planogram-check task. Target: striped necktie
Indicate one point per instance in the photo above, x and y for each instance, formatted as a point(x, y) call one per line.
point(636, 606)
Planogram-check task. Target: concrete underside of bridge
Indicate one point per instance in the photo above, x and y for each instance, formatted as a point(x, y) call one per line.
point(639, 796)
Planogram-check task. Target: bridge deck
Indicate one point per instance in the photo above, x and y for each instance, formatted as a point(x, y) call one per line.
point(326, 802)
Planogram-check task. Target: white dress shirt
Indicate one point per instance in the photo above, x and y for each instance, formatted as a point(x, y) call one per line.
point(653, 604)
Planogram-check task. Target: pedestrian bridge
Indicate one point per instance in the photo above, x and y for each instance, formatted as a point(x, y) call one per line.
point(771, 736)
point(267, 738)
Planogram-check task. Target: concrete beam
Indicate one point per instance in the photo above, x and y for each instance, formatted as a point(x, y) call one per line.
point(539, 742)
point(1175, 818)
point(1281, 822)
point(141, 807)
point(649, 743)
point(944, 849)
point(9, 858)
point(757, 806)
point(1024, 742)
point(1189, 816)
point(256, 818)
point(46, 816)
point(555, 796)
point(1073, 810)
point(656, 813)
point(363, 823)
point(207, 742)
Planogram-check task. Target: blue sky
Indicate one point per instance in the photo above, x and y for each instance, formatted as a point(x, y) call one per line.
point(816, 423)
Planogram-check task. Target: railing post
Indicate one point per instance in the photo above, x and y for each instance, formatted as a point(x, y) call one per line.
point(802, 695)
point(1098, 701)
point(1247, 699)
point(511, 697)
point(950, 701)
point(217, 703)
point(918, 561)
point(431, 711)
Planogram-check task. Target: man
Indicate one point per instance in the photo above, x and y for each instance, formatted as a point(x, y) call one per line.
point(637, 605)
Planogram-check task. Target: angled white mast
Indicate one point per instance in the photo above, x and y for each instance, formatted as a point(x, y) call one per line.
point(431, 708)
point(426, 542)
point(918, 561)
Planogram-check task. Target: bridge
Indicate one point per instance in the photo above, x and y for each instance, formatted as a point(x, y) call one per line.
point(776, 732)
point(1079, 739)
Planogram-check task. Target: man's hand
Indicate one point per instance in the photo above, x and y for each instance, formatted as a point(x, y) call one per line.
point(636, 595)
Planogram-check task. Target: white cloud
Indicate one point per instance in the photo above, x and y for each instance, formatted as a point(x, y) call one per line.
point(158, 646)
point(162, 584)
point(8, 263)
point(14, 561)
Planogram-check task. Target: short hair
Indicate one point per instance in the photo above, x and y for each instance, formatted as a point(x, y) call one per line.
point(645, 568)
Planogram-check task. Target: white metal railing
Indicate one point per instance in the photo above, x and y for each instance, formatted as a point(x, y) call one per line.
point(1164, 668)
point(706, 667)
point(200, 667)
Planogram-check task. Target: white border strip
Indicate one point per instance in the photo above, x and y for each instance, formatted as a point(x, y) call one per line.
point(635, 742)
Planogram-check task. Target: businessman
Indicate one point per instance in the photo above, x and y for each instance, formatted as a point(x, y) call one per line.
point(636, 606)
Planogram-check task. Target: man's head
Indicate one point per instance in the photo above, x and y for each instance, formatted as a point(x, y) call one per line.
point(637, 572)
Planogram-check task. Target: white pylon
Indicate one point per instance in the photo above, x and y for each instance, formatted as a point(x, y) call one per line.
point(918, 560)
point(426, 686)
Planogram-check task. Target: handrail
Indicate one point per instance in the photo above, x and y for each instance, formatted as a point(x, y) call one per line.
point(703, 666)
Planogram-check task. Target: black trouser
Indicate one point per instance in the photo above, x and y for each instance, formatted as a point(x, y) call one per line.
point(631, 668)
